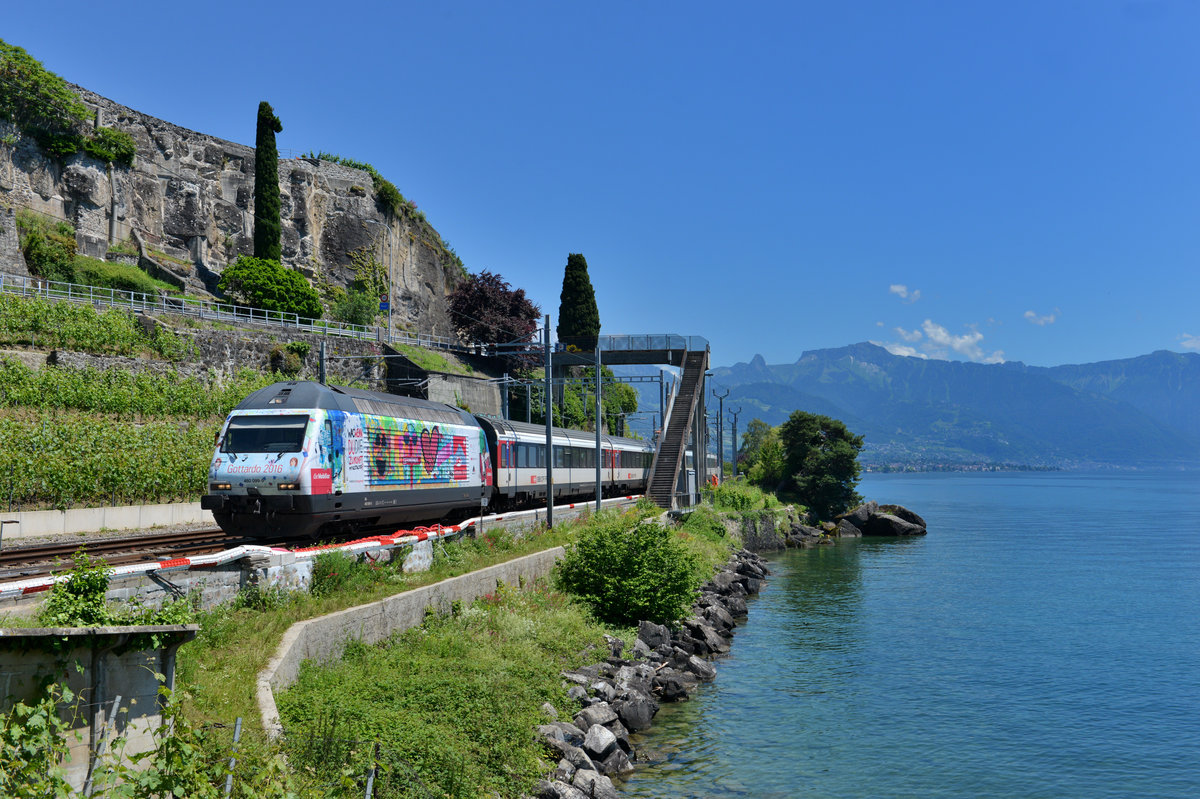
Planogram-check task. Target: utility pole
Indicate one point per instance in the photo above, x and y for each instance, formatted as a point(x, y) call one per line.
point(504, 397)
point(389, 317)
point(721, 433)
point(549, 432)
point(599, 452)
point(735, 444)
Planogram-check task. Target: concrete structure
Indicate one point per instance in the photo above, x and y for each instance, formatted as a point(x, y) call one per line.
point(112, 663)
point(38, 523)
point(324, 639)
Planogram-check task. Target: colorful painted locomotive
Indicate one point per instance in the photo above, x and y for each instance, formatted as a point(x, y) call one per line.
point(300, 457)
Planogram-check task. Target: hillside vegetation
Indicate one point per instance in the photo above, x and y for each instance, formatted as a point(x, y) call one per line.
point(80, 437)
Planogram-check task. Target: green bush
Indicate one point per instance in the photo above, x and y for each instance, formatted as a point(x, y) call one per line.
point(356, 308)
point(265, 284)
point(79, 601)
point(48, 246)
point(739, 496)
point(122, 277)
point(627, 575)
point(111, 145)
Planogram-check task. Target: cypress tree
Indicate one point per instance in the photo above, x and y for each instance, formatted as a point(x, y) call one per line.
point(578, 316)
point(266, 185)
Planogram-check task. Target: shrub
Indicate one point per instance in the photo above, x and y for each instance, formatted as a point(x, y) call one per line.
point(122, 277)
point(266, 284)
point(78, 601)
point(627, 575)
point(739, 496)
point(48, 246)
point(111, 145)
point(35, 99)
point(355, 308)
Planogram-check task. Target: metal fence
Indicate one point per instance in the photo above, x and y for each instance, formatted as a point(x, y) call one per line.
point(212, 310)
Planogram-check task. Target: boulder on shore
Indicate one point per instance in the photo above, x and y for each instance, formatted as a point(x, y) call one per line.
point(881, 520)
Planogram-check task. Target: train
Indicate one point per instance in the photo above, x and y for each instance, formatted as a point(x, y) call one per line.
point(301, 458)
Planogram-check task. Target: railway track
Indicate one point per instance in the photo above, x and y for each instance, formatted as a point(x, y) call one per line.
point(29, 561)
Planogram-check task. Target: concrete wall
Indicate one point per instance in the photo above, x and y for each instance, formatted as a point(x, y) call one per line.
point(35, 523)
point(323, 639)
point(108, 670)
point(480, 396)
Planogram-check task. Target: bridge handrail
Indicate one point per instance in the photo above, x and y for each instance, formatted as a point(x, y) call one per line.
point(652, 342)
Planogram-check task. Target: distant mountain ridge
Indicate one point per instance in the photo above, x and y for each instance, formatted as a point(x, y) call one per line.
point(1132, 412)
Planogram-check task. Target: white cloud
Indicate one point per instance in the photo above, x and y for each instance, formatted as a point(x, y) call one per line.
point(941, 342)
point(1189, 342)
point(901, 291)
point(908, 335)
point(1042, 321)
point(901, 349)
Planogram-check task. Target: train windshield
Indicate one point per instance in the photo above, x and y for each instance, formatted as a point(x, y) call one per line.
point(265, 434)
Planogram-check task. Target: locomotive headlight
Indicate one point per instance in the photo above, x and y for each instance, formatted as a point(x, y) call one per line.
point(289, 486)
point(220, 487)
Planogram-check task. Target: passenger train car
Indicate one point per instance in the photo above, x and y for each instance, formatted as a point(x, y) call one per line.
point(298, 458)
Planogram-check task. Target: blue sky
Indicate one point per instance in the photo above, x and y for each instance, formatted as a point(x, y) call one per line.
point(972, 180)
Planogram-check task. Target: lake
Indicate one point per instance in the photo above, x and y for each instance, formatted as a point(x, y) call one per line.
point(1042, 641)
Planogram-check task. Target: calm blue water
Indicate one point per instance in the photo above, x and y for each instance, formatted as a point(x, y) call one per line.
point(1042, 641)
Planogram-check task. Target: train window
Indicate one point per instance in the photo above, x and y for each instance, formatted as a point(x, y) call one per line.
point(265, 434)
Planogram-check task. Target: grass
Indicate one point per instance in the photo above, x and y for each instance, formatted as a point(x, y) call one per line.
point(432, 361)
point(162, 256)
point(453, 701)
point(236, 641)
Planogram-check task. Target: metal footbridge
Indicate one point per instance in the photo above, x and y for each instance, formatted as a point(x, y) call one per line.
point(673, 482)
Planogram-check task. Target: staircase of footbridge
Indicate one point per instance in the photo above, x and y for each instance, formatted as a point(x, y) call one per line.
point(685, 422)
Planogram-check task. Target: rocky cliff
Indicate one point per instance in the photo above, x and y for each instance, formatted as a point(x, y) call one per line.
point(187, 206)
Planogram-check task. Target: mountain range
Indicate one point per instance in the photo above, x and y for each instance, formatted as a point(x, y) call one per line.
point(1135, 412)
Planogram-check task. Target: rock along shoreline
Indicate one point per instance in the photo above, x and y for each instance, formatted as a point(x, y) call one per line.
point(621, 695)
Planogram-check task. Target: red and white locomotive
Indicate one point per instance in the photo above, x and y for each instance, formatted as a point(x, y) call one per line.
point(301, 457)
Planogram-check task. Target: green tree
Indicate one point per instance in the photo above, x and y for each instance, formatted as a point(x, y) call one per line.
point(757, 432)
point(265, 284)
point(821, 459)
point(39, 102)
point(267, 229)
point(767, 469)
point(578, 316)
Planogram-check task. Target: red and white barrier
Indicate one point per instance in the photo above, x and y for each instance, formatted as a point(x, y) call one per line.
point(401, 538)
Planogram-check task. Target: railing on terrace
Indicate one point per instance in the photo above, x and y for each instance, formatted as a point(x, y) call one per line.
point(213, 311)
